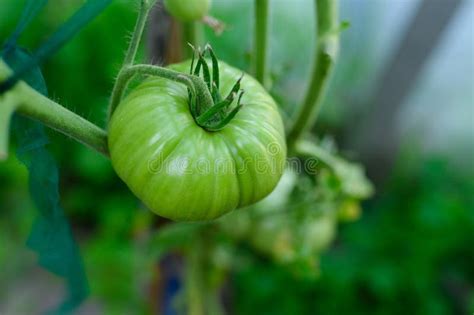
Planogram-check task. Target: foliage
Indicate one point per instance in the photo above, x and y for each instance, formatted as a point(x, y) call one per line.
point(412, 250)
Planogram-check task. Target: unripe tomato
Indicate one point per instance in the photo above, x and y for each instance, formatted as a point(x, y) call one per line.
point(286, 242)
point(182, 171)
point(188, 10)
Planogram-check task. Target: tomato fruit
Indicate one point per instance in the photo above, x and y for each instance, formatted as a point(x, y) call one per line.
point(184, 172)
point(188, 10)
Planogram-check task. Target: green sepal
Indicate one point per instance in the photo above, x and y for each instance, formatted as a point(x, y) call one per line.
point(216, 96)
point(218, 115)
point(205, 71)
point(218, 126)
point(235, 88)
point(211, 112)
point(215, 67)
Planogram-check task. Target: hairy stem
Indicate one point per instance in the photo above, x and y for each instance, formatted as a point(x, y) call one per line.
point(196, 84)
point(145, 8)
point(119, 87)
point(28, 102)
point(261, 39)
point(326, 52)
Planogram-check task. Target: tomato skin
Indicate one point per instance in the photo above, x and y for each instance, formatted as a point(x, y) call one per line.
point(183, 172)
point(188, 10)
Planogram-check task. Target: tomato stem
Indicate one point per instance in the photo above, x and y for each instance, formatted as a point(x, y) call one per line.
point(7, 108)
point(195, 276)
point(197, 85)
point(26, 101)
point(119, 87)
point(261, 40)
point(205, 104)
point(327, 46)
point(203, 93)
point(144, 11)
point(192, 34)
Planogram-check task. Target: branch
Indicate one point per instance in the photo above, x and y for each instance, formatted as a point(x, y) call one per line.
point(144, 11)
point(28, 102)
point(261, 39)
point(194, 83)
point(327, 47)
point(194, 283)
point(192, 33)
point(145, 8)
point(7, 108)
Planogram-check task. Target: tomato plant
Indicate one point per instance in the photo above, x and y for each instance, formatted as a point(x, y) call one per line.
point(198, 139)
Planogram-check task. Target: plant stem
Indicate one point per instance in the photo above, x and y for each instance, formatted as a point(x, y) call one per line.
point(29, 102)
point(192, 34)
point(119, 87)
point(195, 83)
point(326, 52)
point(145, 8)
point(7, 107)
point(195, 277)
point(261, 39)
point(306, 148)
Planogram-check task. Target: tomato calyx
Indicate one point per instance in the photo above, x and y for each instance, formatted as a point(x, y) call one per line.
point(216, 112)
point(208, 108)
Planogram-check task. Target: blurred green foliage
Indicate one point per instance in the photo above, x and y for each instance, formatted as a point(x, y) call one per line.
point(411, 252)
point(83, 81)
point(72, 79)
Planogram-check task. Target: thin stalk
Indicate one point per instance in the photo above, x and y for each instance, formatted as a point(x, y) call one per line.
point(7, 107)
point(192, 34)
point(261, 40)
point(195, 278)
point(194, 83)
point(310, 149)
point(144, 11)
point(213, 301)
point(31, 103)
point(145, 8)
point(326, 52)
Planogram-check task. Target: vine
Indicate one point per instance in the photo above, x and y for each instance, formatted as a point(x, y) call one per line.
point(326, 52)
point(261, 39)
point(28, 102)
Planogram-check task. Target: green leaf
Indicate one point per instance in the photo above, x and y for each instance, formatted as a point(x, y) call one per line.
point(31, 10)
point(50, 236)
point(80, 19)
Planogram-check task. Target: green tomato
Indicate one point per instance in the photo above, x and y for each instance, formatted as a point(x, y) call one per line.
point(184, 172)
point(188, 10)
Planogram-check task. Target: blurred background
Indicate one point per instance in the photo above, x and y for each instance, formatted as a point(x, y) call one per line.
point(401, 103)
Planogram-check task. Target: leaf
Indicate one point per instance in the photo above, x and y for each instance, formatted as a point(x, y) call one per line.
point(65, 32)
point(50, 235)
point(31, 10)
point(353, 180)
